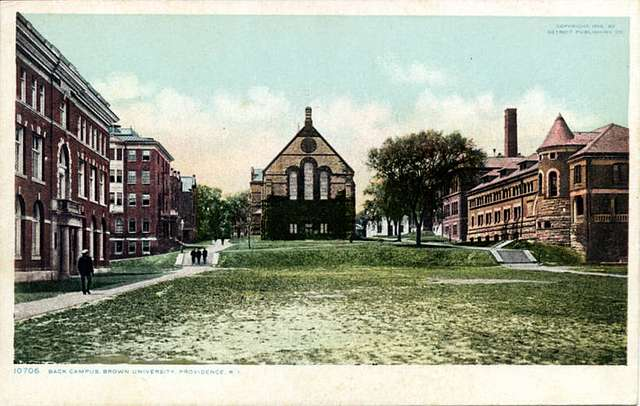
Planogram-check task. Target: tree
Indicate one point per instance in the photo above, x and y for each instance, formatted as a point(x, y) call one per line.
point(414, 167)
point(239, 212)
point(385, 202)
point(210, 209)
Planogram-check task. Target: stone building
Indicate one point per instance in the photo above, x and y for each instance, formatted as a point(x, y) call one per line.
point(306, 191)
point(144, 221)
point(187, 213)
point(573, 192)
point(61, 162)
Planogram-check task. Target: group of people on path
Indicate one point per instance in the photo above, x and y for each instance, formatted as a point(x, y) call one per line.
point(196, 254)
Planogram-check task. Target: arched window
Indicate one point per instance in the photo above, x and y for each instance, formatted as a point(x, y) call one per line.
point(540, 189)
point(293, 185)
point(308, 181)
point(63, 174)
point(18, 228)
point(553, 184)
point(36, 231)
point(324, 185)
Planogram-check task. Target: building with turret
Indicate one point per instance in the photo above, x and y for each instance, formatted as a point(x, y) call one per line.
point(306, 191)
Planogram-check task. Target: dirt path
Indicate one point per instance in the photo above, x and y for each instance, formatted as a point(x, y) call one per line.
point(559, 269)
point(27, 310)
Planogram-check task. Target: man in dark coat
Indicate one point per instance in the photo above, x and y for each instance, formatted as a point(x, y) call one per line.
point(193, 256)
point(204, 256)
point(85, 267)
point(198, 253)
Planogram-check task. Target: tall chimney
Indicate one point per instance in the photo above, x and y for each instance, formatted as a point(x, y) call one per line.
point(307, 117)
point(510, 132)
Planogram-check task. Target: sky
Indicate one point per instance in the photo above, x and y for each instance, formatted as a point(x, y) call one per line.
point(225, 93)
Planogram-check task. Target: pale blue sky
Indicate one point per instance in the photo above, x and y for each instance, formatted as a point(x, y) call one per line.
point(398, 73)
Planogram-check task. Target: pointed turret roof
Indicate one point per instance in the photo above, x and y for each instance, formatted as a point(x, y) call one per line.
point(559, 134)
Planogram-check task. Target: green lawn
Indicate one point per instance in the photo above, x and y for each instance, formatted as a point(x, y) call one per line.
point(121, 273)
point(332, 306)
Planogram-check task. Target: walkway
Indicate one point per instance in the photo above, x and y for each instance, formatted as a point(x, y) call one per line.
point(27, 310)
point(559, 269)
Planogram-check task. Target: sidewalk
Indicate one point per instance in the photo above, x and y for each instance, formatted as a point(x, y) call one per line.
point(558, 269)
point(27, 310)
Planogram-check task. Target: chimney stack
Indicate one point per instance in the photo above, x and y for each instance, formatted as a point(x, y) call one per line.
point(510, 132)
point(307, 117)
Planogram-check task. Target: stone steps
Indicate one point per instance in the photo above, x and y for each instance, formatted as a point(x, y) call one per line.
point(506, 256)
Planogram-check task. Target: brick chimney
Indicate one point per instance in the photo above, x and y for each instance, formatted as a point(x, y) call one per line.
point(510, 132)
point(307, 117)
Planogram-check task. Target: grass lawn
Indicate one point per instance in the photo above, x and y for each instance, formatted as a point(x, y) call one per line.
point(360, 303)
point(121, 273)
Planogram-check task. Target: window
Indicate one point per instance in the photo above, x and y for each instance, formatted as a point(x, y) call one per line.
point(577, 174)
point(118, 175)
point(118, 198)
point(473, 221)
point(117, 247)
point(63, 174)
point(83, 135)
point(36, 157)
point(92, 184)
point(118, 154)
point(63, 114)
point(540, 191)
point(308, 181)
point(132, 200)
point(324, 228)
point(146, 226)
point(620, 173)
point(112, 175)
point(146, 178)
point(487, 218)
point(112, 198)
point(119, 226)
point(293, 185)
point(81, 178)
point(131, 177)
point(455, 230)
point(34, 93)
point(480, 220)
point(102, 187)
point(23, 85)
point(578, 205)
point(36, 231)
point(41, 103)
point(79, 128)
point(146, 155)
point(454, 208)
point(293, 229)
point(553, 184)
point(18, 228)
point(146, 199)
point(446, 210)
point(517, 212)
point(132, 225)
point(146, 247)
point(131, 155)
point(496, 216)
point(324, 186)
point(507, 215)
point(20, 150)
point(132, 247)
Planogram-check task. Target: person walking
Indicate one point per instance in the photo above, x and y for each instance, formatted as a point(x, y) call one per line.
point(85, 267)
point(193, 256)
point(222, 240)
point(198, 254)
point(204, 256)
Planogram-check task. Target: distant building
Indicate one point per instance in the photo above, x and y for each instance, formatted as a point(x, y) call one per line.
point(61, 162)
point(306, 191)
point(573, 191)
point(187, 210)
point(387, 228)
point(144, 214)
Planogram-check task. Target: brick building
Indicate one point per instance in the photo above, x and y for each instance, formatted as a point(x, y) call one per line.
point(306, 191)
point(143, 213)
point(186, 198)
point(573, 192)
point(61, 162)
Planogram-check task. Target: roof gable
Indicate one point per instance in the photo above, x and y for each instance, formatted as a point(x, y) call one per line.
point(559, 134)
point(613, 139)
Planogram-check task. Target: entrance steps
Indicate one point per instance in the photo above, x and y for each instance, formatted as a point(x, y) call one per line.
point(507, 256)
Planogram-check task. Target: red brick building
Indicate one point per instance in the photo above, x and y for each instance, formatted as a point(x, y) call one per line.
point(187, 190)
point(143, 213)
point(61, 162)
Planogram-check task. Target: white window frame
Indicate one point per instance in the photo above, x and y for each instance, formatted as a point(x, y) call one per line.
point(146, 247)
point(118, 198)
point(102, 187)
point(118, 225)
point(63, 114)
point(324, 185)
point(145, 177)
point(135, 226)
point(36, 233)
point(34, 93)
point(19, 164)
point(23, 85)
point(129, 245)
point(132, 178)
point(131, 153)
point(115, 247)
point(132, 198)
point(41, 96)
point(293, 228)
point(293, 185)
point(92, 184)
point(81, 191)
point(146, 222)
point(36, 157)
point(308, 180)
point(146, 155)
point(148, 200)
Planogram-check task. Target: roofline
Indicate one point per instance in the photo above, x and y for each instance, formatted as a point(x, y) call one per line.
point(606, 128)
point(481, 186)
point(145, 141)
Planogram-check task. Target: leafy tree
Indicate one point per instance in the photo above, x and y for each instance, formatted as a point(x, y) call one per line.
point(239, 212)
point(211, 214)
point(414, 167)
point(386, 202)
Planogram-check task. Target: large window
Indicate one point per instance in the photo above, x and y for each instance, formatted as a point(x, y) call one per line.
point(102, 187)
point(81, 191)
point(34, 93)
point(578, 206)
point(619, 173)
point(63, 174)
point(23, 85)
point(308, 181)
point(63, 114)
point(41, 103)
point(79, 128)
point(577, 174)
point(36, 231)
point(131, 177)
point(324, 185)
point(553, 184)
point(36, 157)
point(131, 155)
point(293, 185)
point(20, 150)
